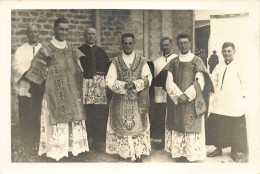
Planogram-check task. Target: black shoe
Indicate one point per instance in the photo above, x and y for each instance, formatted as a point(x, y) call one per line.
point(183, 160)
point(234, 156)
point(180, 160)
point(216, 152)
point(138, 160)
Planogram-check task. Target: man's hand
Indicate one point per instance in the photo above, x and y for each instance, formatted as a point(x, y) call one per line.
point(129, 85)
point(44, 52)
point(183, 98)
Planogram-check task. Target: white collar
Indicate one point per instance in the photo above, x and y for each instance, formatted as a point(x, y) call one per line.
point(131, 55)
point(186, 57)
point(58, 44)
point(168, 55)
point(91, 45)
point(33, 45)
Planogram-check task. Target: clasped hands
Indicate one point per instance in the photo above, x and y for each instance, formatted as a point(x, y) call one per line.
point(183, 98)
point(129, 85)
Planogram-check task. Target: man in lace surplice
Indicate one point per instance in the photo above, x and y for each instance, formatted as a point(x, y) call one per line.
point(185, 133)
point(63, 116)
point(95, 64)
point(129, 77)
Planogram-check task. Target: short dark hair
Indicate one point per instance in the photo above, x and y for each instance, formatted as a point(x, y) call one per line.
point(228, 44)
point(164, 39)
point(60, 20)
point(127, 35)
point(180, 36)
point(214, 52)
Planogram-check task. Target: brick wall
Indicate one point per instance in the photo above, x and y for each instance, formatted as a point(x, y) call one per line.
point(154, 25)
point(78, 19)
point(112, 26)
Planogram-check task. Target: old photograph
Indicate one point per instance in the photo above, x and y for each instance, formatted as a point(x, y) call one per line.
point(132, 86)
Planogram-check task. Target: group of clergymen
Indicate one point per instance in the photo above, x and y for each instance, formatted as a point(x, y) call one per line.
point(71, 98)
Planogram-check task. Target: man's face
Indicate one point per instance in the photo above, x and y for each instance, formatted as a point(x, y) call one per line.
point(228, 53)
point(184, 45)
point(33, 34)
point(166, 47)
point(90, 36)
point(128, 45)
point(61, 31)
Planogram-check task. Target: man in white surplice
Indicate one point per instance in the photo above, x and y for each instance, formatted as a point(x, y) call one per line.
point(160, 96)
point(129, 77)
point(29, 123)
point(184, 133)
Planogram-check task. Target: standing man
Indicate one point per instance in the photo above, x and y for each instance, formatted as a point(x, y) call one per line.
point(227, 122)
point(159, 109)
point(185, 134)
point(129, 77)
point(213, 61)
point(29, 123)
point(95, 64)
point(63, 116)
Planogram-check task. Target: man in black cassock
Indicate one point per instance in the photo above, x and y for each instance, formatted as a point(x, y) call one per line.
point(95, 64)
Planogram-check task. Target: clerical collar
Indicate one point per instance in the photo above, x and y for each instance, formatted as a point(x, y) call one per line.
point(186, 57)
point(91, 45)
point(33, 45)
point(168, 55)
point(227, 62)
point(58, 44)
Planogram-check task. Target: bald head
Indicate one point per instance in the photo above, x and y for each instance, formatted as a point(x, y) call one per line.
point(33, 33)
point(90, 35)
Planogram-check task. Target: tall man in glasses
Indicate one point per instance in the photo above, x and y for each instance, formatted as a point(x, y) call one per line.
point(186, 79)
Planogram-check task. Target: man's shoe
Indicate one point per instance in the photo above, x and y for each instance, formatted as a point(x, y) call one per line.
point(138, 160)
point(216, 152)
point(183, 160)
point(234, 156)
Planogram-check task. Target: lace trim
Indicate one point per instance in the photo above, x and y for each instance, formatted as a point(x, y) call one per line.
point(58, 140)
point(128, 147)
point(189, 145)
point(94, 90)
point(119, 87)
point(139, 85)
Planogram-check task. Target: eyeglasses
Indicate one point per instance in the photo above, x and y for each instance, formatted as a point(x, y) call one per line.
point(183, 43)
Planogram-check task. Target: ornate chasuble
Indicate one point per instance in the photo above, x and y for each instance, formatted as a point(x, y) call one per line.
point(125, 116)
point(182, 117)
point(64, 80)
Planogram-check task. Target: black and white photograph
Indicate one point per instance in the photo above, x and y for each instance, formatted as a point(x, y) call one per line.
point(101, 87)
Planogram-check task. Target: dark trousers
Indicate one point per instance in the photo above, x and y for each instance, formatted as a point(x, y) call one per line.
point(225, 131)
point(157, 120)
point(96, 123)
point(29, 116)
